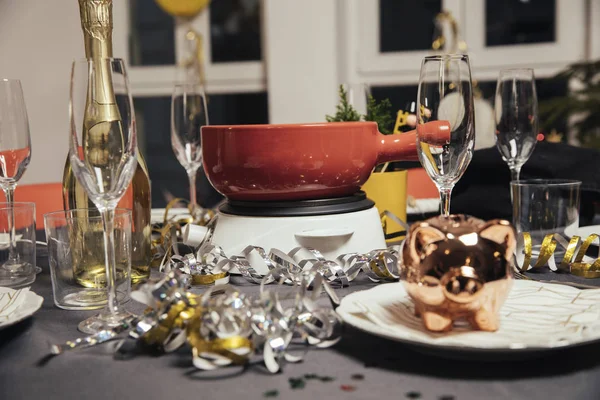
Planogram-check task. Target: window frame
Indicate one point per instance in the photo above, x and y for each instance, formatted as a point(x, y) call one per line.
point(383, 68)
point(221, 78)
point(545, 58)
point(372, 67)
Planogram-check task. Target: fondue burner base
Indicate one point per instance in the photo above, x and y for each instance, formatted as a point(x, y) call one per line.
point(298, 208)
point(332, 226)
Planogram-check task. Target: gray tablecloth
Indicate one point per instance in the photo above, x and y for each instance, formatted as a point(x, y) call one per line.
point(389, 370)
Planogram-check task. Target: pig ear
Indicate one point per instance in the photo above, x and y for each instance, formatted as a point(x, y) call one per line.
point(501, 232)
point(422, 235)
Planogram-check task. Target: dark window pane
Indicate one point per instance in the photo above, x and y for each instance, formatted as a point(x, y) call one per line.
point(167, 176)
point(403, 98)
point(235, 30)
point(516, 22)
point(407, 24)
point(152, 35)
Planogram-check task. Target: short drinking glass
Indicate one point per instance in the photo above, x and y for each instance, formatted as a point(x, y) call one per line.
point(17, 240)
point(75, 241)
point(543, 207)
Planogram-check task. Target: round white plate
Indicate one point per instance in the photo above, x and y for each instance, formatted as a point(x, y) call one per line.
point(424, 206)
point(29, 305)
point(157, 215)
point(583, 231)
point(536, 317)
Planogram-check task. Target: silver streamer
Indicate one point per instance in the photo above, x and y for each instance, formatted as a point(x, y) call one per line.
point(210, 259)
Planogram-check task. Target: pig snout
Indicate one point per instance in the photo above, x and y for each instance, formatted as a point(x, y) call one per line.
point(461, 285)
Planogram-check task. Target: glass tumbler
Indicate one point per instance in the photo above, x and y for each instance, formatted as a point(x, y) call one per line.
point(76, 255)
point(21, 218)
point(542, 207)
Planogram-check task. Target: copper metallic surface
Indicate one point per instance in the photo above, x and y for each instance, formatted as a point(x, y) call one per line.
point(458, 267)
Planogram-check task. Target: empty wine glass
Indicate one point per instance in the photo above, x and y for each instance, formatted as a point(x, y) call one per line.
point(445, 104)
point(15, 153)
point(516, 110)
point(188, 115)
point(103, 154)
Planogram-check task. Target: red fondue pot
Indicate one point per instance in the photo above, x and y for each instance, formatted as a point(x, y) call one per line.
point(304, 161)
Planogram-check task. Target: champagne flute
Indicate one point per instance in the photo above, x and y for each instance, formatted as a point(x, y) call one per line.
point(445, 103)
point(516, 110)
point(103, 151)
point(188, 115)
point(15, 153)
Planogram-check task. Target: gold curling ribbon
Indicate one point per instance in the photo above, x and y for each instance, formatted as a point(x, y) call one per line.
point(198, 61)
point(457, 43)
point(176, 317)
point(374, 264)
point(188, 316)
point(221, 346)
point(574, 265)
point(208, 279)
point(171, 227)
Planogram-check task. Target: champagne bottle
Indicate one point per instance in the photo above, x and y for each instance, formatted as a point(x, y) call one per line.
point(96, 23)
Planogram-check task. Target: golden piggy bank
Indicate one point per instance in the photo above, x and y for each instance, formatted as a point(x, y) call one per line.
point(458, 267)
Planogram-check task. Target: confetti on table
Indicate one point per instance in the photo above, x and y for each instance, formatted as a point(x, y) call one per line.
point(348, 388)
point(297, 383)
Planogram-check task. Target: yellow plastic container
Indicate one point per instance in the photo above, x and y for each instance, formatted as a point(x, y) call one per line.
point(388, 191)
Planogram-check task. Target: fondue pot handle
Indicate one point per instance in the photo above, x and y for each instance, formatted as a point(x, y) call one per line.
point(403, 147)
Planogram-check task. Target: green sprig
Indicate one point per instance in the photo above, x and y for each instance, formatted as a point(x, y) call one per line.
point(344, 110)
point(381, 112)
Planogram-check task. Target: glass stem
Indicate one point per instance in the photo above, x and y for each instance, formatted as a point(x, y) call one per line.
point(514, 173)
point(13, 255)
point(445, 201)
point(108, 217)
point(192, 178)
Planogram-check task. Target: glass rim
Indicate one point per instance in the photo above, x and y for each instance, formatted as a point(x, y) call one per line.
point(441, 57)
point(520, 69)
point(516, 72)
point(10, 80)
point(68, 214)
point(552, 183)
point(189, 87)
point(17, 204)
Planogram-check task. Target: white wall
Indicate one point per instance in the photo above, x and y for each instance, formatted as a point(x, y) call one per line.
point(301, 59)
point(38, 41)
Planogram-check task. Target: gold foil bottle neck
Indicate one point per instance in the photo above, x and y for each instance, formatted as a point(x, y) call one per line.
point(97, 25)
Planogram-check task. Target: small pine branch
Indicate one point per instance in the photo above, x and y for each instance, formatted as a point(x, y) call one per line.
point(584, 102)
point(344, 110)
point(380, 113)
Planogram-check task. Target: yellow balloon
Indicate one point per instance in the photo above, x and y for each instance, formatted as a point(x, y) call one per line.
point(183, 8)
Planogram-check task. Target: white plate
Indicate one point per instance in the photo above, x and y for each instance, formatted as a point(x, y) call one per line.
point(583, 231)
point(424, 206)
point(536, 317)
point(29, 304)
point(157, 215)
